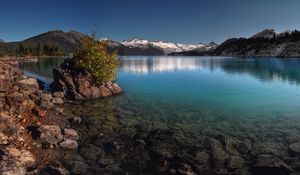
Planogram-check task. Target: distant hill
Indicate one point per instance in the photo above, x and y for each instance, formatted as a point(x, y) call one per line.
point(264, 44)
point(64, 41)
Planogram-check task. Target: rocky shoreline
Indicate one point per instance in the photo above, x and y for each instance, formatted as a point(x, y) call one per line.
point(33, 129)
point(36, 137)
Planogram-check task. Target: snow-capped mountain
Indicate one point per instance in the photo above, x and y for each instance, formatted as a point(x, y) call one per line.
point(166, 47)
point(147, 47)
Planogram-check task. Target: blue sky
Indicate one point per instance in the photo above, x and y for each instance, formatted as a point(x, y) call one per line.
point(185, 21)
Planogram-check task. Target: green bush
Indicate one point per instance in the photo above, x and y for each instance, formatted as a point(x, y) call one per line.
point(93, 56)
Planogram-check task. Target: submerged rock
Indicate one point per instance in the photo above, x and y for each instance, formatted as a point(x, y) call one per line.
point(269, 164)
point(90, 152)
point(70, 134)
point(69, 144)
point(219, 156)
point(295, 148)
point(78, 84)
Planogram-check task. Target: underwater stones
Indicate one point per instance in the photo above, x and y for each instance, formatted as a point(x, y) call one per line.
point(269, 164)
point(69, 144)
point(203, 159)
point(77, 120)
point(70, 139)
point(217, 152)
point(235, 162)
point(228, 144)
point(70, 134)
point(295, 148)
point(184, 169)
point(79, 167)
point(244, 147)
point(268, 147)
point(90, 152)
point(55, 170)
point(50, 134)
point(74, 163)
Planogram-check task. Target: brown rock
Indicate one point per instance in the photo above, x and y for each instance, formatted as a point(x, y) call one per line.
point(46, 104)
point(105, 92)
point(29, 83)
point(95, 92)
point(58, 101)
point(69, 144)
point(40, 112)
point(59, 94)
point(50, 134)
point(70, 134)
point(116, 88)
point(78, 84)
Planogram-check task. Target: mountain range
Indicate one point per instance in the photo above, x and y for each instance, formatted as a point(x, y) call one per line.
point(137, 46)
point(265, 43)
point(67, 41)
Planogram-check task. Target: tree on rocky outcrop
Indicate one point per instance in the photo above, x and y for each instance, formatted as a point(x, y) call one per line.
point(89, 73)
point(94, 57)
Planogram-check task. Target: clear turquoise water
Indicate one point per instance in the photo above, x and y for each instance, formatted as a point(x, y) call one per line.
point(214, 86)
point(216, 92)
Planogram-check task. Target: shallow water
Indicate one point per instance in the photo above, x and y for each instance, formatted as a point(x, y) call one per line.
point(250, 99)
point(177, 90)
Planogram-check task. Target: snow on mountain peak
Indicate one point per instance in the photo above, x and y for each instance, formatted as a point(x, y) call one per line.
point(166, 47)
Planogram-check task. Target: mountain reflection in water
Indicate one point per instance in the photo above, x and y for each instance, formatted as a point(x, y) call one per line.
point(265, 69)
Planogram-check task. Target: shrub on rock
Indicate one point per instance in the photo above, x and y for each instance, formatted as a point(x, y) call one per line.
point(93, 56)
point(89, 74)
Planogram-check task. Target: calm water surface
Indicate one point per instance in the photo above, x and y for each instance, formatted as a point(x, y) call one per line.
point(196, 93)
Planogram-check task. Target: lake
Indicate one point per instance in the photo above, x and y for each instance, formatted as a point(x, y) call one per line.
point(253, 99)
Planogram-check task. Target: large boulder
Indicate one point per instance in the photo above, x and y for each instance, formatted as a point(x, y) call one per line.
point(50, 134)
point(15, 161)
point(30, 83)
point(78, 84)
